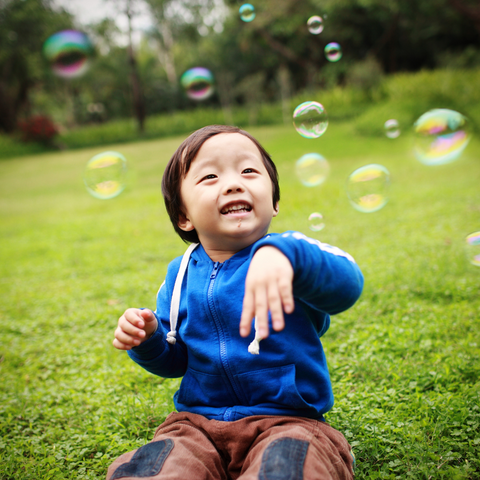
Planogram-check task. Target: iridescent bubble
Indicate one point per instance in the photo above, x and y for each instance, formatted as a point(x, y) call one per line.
point(473, 248)
point(315, 24)
point(69, 53)
point(105, 175)
point(312, 169)
point(333, 52)
point(392, 130)
point(441, 136)
point(315, 222)
point(310, 119)
point(197, 83)
point(367, 188)
point(247, 12)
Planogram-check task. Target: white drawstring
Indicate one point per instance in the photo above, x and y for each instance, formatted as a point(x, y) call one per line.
point(254, 347)
point(177, 288)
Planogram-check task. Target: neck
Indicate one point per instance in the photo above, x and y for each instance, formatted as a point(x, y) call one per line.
point(219, 255)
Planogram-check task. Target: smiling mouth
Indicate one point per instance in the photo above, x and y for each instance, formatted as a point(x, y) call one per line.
point(236, 208)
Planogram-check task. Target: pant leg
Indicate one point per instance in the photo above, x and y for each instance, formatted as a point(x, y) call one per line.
point(180, 449)
point(300, 449)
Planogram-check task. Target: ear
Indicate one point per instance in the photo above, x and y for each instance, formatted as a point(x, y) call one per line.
point(184, 223)
point(275, 210)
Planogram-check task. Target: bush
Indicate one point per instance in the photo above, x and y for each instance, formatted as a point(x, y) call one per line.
point(38, 128)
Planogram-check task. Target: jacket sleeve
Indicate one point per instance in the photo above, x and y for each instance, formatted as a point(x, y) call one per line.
point(325, 277)
point(156, 355)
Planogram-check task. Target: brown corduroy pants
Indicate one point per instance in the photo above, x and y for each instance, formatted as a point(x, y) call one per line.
point(191, 447)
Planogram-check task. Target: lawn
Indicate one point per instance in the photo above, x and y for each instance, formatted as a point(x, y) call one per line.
point(404, 361)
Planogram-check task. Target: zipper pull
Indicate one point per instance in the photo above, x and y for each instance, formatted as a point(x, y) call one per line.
point(214, 271)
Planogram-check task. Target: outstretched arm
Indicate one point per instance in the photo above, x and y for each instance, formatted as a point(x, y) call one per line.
point(292, 265)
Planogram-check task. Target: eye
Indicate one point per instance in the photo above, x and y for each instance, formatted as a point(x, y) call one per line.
point(249, 170)
point(209, 177)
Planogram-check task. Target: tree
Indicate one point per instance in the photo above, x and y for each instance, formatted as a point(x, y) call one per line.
point(24, 27)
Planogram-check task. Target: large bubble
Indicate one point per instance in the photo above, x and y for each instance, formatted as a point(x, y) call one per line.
point(312, 169)
point(315, 24)
point(392, 129)
point(310, 119)
point(315, 222)
point(247, 12)
point(367, 188)
point(69, 53)
point(197, 83)
point(473, 248)
point(441, 136)
point(333, 52)
point(105, 175)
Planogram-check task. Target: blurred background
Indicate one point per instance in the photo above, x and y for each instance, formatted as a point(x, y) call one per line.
point(405, 55)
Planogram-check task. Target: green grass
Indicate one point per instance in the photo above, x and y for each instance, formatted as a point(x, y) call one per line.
point(404, 361)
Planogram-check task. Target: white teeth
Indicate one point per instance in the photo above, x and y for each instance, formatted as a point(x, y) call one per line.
point(236, 208)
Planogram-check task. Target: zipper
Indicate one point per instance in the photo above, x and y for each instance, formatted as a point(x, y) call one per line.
point(221, 335)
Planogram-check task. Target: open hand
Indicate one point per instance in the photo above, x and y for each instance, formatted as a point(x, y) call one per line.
point(134, 327)
point(268, 287)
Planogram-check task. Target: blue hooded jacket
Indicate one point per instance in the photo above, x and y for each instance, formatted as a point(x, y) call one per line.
point(221, 379)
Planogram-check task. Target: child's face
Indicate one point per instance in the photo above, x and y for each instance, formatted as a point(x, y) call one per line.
point(227, 194)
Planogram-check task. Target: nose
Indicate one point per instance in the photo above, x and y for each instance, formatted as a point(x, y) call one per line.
point(233, 185)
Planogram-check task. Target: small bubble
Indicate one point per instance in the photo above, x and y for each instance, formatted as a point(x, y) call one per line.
point(312, 169)
point(105, 175)
point(315, 222)
point(310, 119)
point(473, 248)
point(197, 83)
point(367, 188)
point(441, 136)
point(333, 52)
point(247, 12)
point(315, 24)
point(392, 130)
point(69, 53)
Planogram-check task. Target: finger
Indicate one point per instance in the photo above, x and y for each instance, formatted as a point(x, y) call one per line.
point(148, 315)
point(120, 346)
point(130, 329)
point(275, 307)
point(248, 312)
point(286, 295)
point(134, 316)
point(261, 312)
point(127, 339)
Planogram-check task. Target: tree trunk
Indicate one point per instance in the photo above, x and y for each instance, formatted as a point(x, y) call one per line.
point(138, 101)
point(8, 118)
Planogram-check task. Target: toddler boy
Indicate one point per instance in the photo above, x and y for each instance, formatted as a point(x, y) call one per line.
point(240, 416)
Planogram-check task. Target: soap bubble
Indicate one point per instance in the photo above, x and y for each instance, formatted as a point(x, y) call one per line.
point(310, 119)
point(315, 24)
point(473, 248)
point(333, 52)
point(315, 222)
point(312, 169)
point(105, 175)
point(441, 136)
point(392, 129)
point(69, 53)
point(367, 188)
point(198, 83)
point(247, 12)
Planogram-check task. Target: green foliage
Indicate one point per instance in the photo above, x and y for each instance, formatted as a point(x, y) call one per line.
point(406, 96)
point(24, 27)
point(404, 361)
